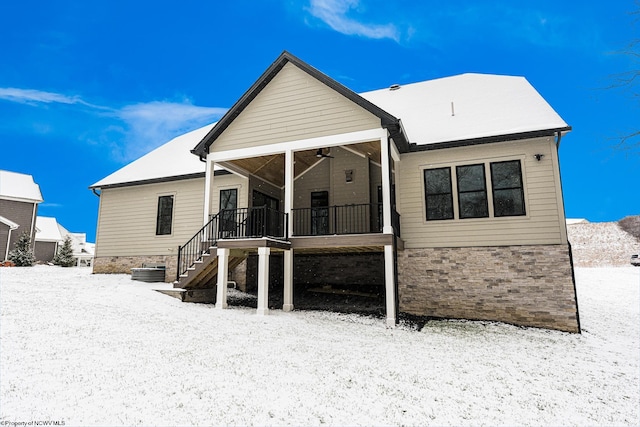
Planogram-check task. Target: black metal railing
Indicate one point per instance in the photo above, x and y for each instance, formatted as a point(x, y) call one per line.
point(346, 219)
point(232, 224)
point(252, 222)
point(201, 243)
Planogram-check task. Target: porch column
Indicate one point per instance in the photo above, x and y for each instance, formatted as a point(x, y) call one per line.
point(387, 227)
point(208, 184)
point(288, 190)
point(263, 280)
point(288, 206)
point(223, 275)
point(390, 285)
point(288, 281)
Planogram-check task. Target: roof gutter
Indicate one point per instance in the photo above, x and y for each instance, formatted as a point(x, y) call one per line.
point(489, 139)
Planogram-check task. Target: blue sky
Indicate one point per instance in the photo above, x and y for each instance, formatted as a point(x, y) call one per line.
point(88, 86)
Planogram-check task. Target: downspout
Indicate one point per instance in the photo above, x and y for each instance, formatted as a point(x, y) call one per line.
point(95, 192)
point(558, 139)
point(6, 254)
point(33, 227)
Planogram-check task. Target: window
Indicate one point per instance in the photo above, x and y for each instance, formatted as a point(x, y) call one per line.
point(508, 192)
point(228, 206)
point(471, 194)
point(438, 194)
point(165, 215)
point(472, 191)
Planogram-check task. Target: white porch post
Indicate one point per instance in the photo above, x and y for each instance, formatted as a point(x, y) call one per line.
point(263, 280)
point(288, 255)
point(208, 184)
point(223, 275)
point(390, 285)
point(288, 281)
point(387, 227)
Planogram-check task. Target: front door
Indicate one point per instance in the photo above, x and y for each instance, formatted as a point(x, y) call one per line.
point(264, 222)
point(319, 212)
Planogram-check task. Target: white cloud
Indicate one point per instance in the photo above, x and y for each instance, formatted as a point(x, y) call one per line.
point(151, 124)
point(32, 96)
point(334, 13)
point(139, 128)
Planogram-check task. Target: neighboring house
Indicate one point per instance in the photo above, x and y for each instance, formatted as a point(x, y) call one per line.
point(19, 199)
point(83, 251)
point(50, 236)
point(445, 193)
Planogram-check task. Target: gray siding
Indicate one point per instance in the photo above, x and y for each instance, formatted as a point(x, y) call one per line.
point(22, 214)
point(45, 251)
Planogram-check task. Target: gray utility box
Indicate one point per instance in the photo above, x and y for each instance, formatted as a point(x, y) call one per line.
point(149, 273)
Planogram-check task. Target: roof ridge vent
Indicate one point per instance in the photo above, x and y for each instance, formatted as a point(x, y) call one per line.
point(394, 86)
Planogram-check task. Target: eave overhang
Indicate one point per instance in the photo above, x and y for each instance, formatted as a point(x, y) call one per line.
point(157, 180)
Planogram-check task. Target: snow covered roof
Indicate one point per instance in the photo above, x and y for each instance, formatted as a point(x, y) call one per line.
point(19, 186)
point(169, 160)
point(48, 230)
point(12, 225)
point(571, 221)
point(467, 106)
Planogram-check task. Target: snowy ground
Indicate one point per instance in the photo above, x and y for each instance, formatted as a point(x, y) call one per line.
point(103, 350)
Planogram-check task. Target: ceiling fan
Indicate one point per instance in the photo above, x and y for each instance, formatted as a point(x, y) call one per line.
point(320, 154)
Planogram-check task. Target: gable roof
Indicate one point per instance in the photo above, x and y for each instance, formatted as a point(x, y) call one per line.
point(387, 120)
point(468, 107)
point(171, 160)
point(48, 230)
point(19, 186)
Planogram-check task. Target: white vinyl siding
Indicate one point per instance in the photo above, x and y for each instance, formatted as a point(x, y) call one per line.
point(544, 219)
point(127, 220)
point(293, 106)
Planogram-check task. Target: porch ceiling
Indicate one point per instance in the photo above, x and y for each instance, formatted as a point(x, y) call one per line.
point(271, 167)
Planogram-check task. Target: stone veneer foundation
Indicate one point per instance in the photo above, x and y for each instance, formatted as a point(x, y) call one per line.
point(124, 264)
point(521, 285)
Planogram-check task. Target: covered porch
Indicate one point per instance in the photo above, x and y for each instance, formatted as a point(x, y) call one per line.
point(321, 195)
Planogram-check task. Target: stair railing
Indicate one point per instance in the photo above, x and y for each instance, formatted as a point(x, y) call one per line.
point(200, 244)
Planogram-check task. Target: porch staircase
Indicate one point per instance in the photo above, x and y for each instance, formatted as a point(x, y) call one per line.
point(204, 272)
point(198, 266)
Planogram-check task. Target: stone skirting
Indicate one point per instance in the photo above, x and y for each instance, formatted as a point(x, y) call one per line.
point(522, 285)
point(124, 264)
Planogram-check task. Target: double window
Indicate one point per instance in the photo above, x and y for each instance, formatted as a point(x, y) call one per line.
point(164, 218)
point(507, 192)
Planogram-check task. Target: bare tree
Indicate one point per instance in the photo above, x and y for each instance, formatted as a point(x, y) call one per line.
point(630, 80)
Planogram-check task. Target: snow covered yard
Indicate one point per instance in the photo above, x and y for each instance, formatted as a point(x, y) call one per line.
point(104, 350)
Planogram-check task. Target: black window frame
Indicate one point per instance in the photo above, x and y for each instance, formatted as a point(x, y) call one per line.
point(427, 195)
point(164, 214)
point(497, 213)
point(483, 191)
